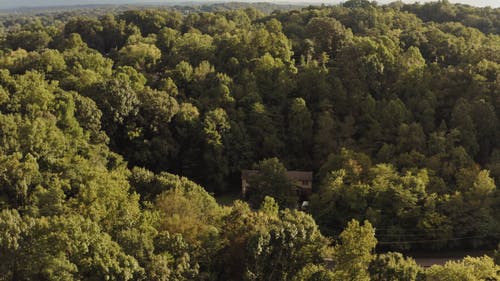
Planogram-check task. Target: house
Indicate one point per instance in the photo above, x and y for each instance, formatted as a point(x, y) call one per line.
point(301, 179)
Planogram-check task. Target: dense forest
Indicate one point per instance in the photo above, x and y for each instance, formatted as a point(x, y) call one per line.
point(120, 127)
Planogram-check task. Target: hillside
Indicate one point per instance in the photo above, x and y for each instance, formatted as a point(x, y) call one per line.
point(119, 125)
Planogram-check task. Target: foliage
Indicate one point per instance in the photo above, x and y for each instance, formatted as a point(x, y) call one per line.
point(114, 124)
point(394, 266)
point(353, 255)
point(290, 243)
point(271, 180)
point(469, 268)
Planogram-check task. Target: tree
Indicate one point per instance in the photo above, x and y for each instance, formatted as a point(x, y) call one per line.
point(393, 266)
point(141, 56)
point(269, 206)
point(29, 40)
point(216, 128)
point(313, 272)
point(263, 130)
point(356, 164)
point(62, 248)
point(172, 260)
point(291, 243)
point(193, 47)
point(462, 121)
point(238, 226)
point(352, 256)
point(118, 101)
point(271, 180)
point(328, 34)
point(187, 210)
point(300, 134)
point(324, 137)
point(151, 20)
point(338, 202)
point(90, 31)
point(482, 268)
point(85, 66)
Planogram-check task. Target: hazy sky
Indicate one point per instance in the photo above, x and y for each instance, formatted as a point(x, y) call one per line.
point(37, 3)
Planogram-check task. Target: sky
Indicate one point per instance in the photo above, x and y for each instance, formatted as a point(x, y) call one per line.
point(7, 4)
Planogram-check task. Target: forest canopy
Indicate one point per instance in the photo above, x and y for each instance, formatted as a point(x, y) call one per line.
point(120, 127)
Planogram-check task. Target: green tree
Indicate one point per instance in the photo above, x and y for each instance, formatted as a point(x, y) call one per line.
point(62, 248)
point(482, 268)
point(300, 126)
point(216, 128)
point(271, 180)
point(393, 266)
point(281, 252)
point(353, 255)
point(328, 34)
point(141, 56)
point(312, 272)
point(324, 137)
point(29, 40)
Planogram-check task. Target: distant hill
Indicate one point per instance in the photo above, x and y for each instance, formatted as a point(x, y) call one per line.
point(9, 4)
point(184, 7)
point(28, 4)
